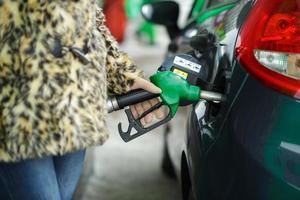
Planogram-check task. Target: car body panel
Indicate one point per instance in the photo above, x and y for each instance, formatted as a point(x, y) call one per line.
point(254, 151)
point(251, 158)
point(247, 147)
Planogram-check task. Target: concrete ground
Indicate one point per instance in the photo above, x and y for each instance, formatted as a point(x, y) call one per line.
point(129, 171)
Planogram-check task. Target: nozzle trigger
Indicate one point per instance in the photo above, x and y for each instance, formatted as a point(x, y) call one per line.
point(137, 125)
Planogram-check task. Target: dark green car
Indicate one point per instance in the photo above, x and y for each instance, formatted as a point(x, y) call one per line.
point(247, 148)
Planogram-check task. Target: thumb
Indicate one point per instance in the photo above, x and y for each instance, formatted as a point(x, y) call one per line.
point(140, 83)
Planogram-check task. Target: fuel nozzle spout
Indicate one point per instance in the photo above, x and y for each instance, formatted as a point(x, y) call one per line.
point(212, 96)
point(175, 89)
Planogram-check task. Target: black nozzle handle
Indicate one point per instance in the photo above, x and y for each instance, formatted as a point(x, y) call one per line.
point(133, 97)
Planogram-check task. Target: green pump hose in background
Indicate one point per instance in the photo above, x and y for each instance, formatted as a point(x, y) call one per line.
point(198, 7)
point(147, 29)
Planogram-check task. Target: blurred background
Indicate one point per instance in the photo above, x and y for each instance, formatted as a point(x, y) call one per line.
point(132, 171)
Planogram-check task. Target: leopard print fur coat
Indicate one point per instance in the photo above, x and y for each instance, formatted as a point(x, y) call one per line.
point(58, 62)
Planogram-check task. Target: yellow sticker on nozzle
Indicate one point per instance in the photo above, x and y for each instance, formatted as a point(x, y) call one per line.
point(181, 73)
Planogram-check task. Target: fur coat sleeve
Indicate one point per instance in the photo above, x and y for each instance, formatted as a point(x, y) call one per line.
point(57, 63)
point(121, 71)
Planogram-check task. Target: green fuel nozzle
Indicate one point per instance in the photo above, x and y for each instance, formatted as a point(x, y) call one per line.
point(177, 78)
point(174, 89)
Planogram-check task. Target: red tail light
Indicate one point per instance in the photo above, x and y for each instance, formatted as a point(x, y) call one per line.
point(269, 44)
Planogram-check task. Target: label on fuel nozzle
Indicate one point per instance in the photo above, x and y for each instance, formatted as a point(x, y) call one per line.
point(187, 64)
point(181, 73)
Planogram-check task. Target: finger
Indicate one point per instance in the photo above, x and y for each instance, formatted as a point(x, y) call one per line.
point(146, 106)
point(143, 121)
point(134, 112)
point(159, 114)
point(140, 83)
point(140, 111)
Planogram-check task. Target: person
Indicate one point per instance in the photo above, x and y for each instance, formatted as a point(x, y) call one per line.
point(58, 63)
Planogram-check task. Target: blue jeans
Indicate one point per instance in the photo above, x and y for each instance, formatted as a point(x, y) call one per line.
point(50, 178)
